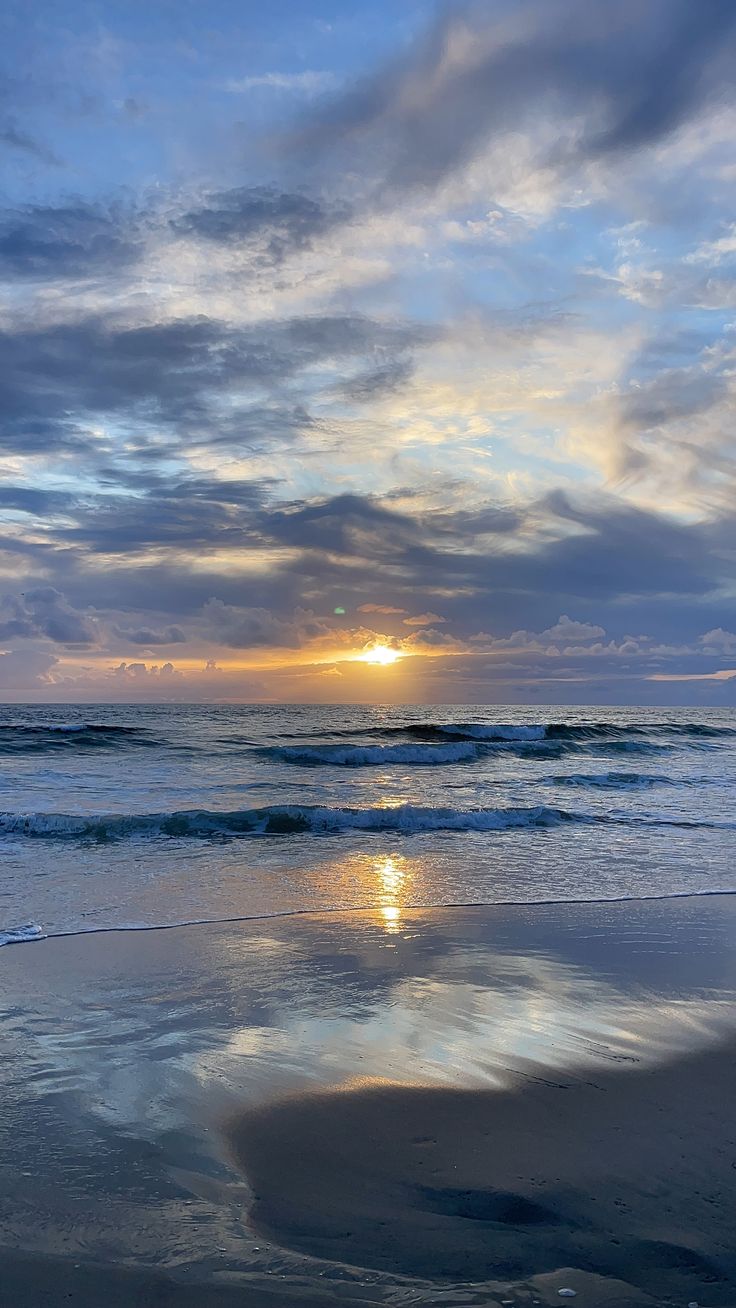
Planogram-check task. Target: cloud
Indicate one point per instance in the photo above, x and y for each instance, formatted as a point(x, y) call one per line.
point(609, 78)
point(14, 137)
point(137, 672)
point(718, 641)
point(43, 611)
point(45, 242)
point(379, 608)
point(423, 620)
point(274, 223)
point(26, 670)
point(240, 627)
point(455, 357)
point(430, 639)
point(309, 82)
point(724, 674)
point(567, 629)
point(185, 375)
point(146, 636)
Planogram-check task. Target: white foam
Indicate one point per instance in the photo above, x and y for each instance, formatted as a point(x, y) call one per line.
point(480, 731)
point(21, 934)
point(413, 818)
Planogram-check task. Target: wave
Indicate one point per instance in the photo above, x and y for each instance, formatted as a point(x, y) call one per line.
point(27, 738)
point(359, 756)
point(479, 731)
point(317, 820)
point(516, 733)
point(612, 780)
point(280, 820)
point(442, 753)
point(617, 746)
point(605, 730)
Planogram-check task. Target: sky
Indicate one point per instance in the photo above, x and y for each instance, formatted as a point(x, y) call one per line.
point(375, 353)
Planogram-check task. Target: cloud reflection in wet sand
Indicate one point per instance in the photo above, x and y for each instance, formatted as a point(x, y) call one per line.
point(181, 1028)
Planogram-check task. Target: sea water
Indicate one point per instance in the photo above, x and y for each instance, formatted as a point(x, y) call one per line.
point(139, 816)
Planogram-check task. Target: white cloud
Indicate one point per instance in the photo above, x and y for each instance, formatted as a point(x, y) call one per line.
point(568, 629)
point(309, 82)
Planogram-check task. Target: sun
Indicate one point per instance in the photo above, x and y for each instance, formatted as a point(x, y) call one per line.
point(382, 654)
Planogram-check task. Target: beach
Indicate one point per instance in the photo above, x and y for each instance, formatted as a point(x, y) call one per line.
point(450, 1106)
point(368, 654)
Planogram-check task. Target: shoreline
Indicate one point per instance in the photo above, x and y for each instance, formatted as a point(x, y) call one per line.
point(355, 910)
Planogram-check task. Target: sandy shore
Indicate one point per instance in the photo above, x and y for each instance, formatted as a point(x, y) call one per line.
point(43, 1282)
point(631, 1175)
point(546, 1102)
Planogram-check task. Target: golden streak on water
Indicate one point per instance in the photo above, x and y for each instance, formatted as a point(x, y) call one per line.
point(391, 874)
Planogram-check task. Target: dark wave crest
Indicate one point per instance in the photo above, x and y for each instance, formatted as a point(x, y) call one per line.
point(41, 738)
point(313, 820)
point(611, 780)
point(442, 752)
point(279, 820)
point(564, 733)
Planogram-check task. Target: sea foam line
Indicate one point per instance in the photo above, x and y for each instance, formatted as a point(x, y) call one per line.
point(14, 935)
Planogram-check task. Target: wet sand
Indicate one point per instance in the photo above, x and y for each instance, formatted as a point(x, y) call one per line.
point(546, 1102)
point(43, 1282)
point(631, 1175)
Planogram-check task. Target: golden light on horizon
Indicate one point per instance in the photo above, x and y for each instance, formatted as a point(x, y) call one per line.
point(381, 654)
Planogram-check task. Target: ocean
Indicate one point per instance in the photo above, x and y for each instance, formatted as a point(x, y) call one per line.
point(133, 816)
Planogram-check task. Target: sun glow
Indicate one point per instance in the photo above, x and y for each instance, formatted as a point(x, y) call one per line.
point(382, 654)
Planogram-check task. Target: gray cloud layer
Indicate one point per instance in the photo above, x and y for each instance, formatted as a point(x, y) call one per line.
point(620, 76)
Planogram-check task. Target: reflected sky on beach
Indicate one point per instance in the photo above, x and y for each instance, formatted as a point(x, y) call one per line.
point(125, 1052)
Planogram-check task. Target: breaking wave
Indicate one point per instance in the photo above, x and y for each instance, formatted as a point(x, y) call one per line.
point(462, 749)
point(307, 819)
point(280, 820)
point(550, 731)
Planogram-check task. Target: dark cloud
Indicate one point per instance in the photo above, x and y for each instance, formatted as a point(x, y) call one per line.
point(241, 627)
point(276, 222)
point(46, 243)
point(615, 76)
point(191, 514)
point(618, 552)
point(354, 526)
point(176, 374)
point(674, 395)
point(366, 386)
point(605, 563)
point(43, 611)
point(30, 499)
point(146, 636)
